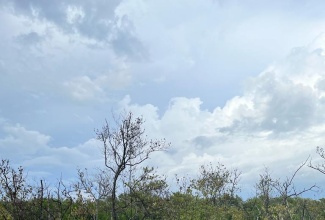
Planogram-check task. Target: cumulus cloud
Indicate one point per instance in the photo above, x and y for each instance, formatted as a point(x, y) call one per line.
point(33, 150)
point(58, 54)
point(284, 97)
point(85, 89)
point(18, 141)
point(277, 122)
point(39, 58)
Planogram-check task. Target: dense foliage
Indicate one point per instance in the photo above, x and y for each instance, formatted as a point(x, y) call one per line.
point(147, 195)
point(124, 190)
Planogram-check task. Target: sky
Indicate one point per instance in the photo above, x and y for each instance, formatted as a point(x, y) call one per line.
point(236, 82)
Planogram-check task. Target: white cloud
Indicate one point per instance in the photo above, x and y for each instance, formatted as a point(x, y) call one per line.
point(20, 142)
point(162, 53)
point(32, 150)
point(40, 58)
point(84, 89)
point(277, 122)
point(74, 14)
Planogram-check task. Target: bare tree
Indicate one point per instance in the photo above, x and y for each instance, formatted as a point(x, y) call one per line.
point(125, 146)
point(319, 167)
point(287, 188)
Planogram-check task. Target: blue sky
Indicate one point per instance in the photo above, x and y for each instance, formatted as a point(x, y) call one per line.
point(241, 82)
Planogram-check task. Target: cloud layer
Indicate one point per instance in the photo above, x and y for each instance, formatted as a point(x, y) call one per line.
point(209, 76)
point(277, 122)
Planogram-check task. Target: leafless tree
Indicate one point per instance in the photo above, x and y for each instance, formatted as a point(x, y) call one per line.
point(319, 167)
point(125, 145)
point(287, 188)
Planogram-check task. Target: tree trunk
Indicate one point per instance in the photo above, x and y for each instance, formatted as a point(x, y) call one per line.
point(113, 215)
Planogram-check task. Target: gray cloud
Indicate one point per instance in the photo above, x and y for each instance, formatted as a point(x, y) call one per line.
point(29, 39)
point(202, 142)
point(290, 108)
point(92, 19)
point(125, 43)
point(284, 98)
point(65, 64)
